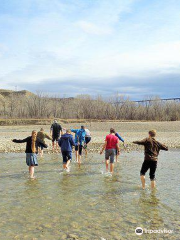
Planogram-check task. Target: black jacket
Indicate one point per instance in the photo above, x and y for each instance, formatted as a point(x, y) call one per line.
point(28, 141)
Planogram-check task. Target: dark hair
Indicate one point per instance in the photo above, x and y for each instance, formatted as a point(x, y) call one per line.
point(112, 130)
point(82, 127)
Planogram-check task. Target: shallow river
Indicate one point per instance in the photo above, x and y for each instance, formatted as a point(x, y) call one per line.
point(85, 203)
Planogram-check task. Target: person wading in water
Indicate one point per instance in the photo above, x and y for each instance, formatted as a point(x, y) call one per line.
point(32, 144)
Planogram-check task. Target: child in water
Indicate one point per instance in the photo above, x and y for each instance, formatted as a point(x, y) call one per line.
point(66, 143)
point(32, 144)
point(151, 152)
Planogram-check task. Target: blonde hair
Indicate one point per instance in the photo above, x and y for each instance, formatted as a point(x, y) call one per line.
point(68, 131)
point(152, 133)
point(33, 144)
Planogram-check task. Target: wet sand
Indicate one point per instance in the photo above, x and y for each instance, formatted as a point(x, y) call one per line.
point(168, 133)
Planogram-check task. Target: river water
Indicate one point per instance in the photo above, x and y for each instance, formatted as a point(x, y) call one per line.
point(85, 203)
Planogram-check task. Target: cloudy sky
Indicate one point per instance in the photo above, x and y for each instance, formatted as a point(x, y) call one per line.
point(72, 47)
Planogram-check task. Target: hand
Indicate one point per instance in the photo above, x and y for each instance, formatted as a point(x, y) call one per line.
point(101, 152)
point(118, 153)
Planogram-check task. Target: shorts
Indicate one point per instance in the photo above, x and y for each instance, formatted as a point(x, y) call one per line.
point(87, 140)
point(55, 138)
point(79, 149)
point(110, 153)
point(31, 159)
point(66, 156)
point(41, 147)
point(152, 165)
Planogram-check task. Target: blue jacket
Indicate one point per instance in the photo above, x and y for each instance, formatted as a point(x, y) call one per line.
point(79, 136)
point(120, 138)
point(66, 142)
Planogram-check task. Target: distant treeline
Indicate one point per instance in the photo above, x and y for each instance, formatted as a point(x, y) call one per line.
point(85, 107)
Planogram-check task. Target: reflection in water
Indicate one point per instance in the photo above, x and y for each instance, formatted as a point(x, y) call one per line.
point(149, 207)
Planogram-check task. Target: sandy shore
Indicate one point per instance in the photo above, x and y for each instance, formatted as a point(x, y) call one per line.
point(168, 133)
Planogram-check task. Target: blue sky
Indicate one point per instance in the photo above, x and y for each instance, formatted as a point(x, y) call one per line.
point(68, 47)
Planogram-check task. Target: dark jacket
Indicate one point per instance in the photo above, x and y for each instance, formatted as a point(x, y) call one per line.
point(56, 129)
point(66, 142)
point(28, 141)
point(151, 148)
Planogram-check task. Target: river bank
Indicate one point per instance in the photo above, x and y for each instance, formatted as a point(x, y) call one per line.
point(168, 133)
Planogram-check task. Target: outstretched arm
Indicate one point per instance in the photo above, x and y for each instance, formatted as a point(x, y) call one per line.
point(48, 137)
point(163, 147)
point(40, 143)
point(143, 142)
point(120, 138)
point(20, 140)
point(74, 130)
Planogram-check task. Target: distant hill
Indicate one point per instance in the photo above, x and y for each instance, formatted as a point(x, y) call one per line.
point(8, 93)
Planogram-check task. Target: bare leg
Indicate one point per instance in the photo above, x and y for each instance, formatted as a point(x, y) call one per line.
point(53, 146)
point(79, 160)
point(31, 171)
point(107, 164)
point(153, 184)
point(67, 164)
point(41, 153)
point(111, 167)
point(86, 152)
point(56, 146)
point(64, 165)
point(116, 158)
point(143, 181)
point(77, 156)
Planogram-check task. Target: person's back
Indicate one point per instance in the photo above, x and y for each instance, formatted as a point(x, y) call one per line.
point(112, 141)
point(151, 152)
point(79, 135)
point(151, 148)
point(66, 142)
point(56, 128)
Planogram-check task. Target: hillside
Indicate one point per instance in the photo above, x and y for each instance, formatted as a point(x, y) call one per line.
point(8, 93)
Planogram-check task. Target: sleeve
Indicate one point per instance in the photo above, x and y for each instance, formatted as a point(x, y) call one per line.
point(60, 128)
point(74, 130)
point(40, 143)
point(51, 128)
point(83, 136)
point(120, 138)
point(20, 141)
point(48, 137)
point(163, 147)
point(72, 141)
point(143, 142)
point(60, 142)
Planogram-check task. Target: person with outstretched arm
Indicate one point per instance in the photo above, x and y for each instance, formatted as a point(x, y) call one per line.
point(42, 135)
point(111, 145)
point(151, 152)
point(66, 143)
point(79, 142)
point(32, 144)
point(122, 140)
